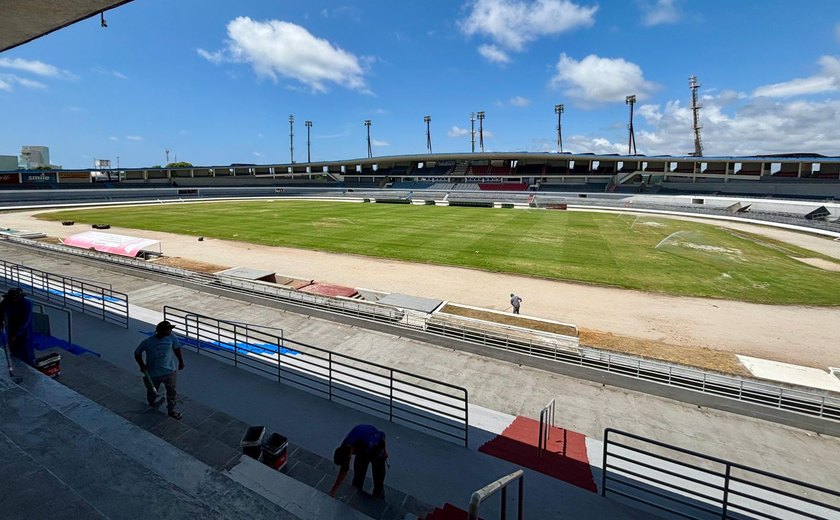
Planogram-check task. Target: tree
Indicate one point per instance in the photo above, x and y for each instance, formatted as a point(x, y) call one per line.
point(181, 164)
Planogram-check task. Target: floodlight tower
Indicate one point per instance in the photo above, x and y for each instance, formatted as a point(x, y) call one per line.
point(291, 139)
point(367, 124)
point(308, 141)
point(480, 116)
point(631, 143)
point(428, 120)
point(558, 109)
point(472, 130)
point(167, 156)
point(695, 110)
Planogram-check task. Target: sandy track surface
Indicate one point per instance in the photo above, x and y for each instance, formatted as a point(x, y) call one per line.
point(792, 334)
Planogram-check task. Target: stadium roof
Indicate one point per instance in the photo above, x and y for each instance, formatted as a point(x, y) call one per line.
point(22, 21)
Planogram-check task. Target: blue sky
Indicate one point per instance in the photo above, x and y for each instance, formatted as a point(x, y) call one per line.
point(215, 82)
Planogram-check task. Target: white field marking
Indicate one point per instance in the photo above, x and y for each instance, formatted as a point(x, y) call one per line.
point(788, 373)
point(711, 249)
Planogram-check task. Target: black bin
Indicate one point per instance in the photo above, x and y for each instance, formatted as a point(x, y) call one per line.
point(251, 441)
point(275, 451)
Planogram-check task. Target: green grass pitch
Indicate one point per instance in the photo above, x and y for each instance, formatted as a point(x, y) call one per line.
point(645, 253)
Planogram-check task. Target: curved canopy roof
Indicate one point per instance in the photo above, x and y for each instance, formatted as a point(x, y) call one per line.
point(22, 21)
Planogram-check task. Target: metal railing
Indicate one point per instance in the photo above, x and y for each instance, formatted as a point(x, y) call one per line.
point(88, 298)
point(402, 397)
point(500, 485)
point(546, 423)
point(689, 484)
point(811, 403)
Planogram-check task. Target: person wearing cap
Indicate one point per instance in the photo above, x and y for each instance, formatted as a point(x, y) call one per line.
point(515, 302)
point(367, 444)
point(163, 360)
point(16, 317)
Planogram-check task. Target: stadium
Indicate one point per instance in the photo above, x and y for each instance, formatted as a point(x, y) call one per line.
point(672, 359)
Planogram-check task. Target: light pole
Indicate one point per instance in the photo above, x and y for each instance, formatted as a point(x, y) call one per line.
point(167, 156)
point(428, 120)
point(631, 142)
point(558, 109)
point(367, 124)
point(481, 130)
point(472, 130)
point(308, 142)
point(291, 139)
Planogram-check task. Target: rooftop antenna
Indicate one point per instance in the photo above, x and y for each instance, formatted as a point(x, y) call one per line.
point(102, 21)
point(631, 142)
point(695, 110)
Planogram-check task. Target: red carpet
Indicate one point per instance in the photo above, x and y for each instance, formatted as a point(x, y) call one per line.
point(325, 289)
point(564, 459)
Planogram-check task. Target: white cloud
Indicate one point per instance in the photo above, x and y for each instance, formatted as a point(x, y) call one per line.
point(36, 67)
point(599, 80)
point(277, 48)
point(512, 24)
point(457, 131)
point(519, 101)
point(661, 12)
point(8, 81)
point(375, 142)
point(113, 138)
point(134, 138)
point(213, 57)
point(119, 75)
point(733, 125)
point(493, 54)
point(828, 80)
point(258, 154)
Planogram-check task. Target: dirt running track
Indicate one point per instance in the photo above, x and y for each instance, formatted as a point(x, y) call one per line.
point(801, 335)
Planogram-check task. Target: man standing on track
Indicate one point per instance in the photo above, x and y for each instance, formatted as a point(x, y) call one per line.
point(162, 350)
point(515, 301)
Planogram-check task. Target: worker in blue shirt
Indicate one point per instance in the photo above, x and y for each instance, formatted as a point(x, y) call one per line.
point(368, 445)
point(163, 360)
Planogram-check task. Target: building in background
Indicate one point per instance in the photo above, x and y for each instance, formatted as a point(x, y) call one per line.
point(8, 163)
point(34, 157)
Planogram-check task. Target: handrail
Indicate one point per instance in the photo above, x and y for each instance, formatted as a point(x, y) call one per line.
point(427, 404)
point(91, 299)
point(672, 483)
point(546, 423)
point(43, 305)
point(492, 488)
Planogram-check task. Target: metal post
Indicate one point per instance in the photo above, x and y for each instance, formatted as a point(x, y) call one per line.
point(472, 130)
point(329, 361)
point(367, 125)
point(428, 120)
point(724, 512)
point(604, 463)
point(481, 130)
point(391, 398)
point(291, 139)
point(520, 506)
point(558, 109)
point(308, 142)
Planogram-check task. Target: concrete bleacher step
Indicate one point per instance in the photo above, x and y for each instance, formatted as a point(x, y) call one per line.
point(71, 458)
point(213, 437)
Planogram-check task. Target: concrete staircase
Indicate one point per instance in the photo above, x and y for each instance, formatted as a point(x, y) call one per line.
point(212, 438)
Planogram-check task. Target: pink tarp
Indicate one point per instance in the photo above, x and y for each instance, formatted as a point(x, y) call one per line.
point(109, 243)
